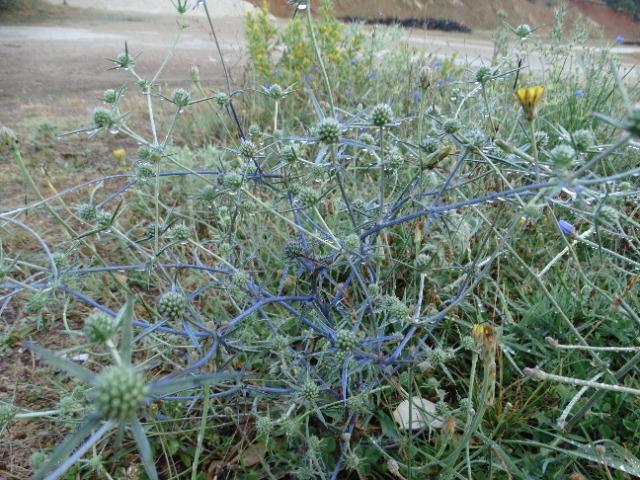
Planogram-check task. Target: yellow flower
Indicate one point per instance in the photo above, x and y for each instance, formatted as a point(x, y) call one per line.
point(529, 99)
point(119, 154)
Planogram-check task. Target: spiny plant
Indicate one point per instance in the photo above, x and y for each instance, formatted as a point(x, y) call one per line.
point(390, 277)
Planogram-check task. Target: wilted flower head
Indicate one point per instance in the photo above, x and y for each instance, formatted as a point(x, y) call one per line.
point(529, 98)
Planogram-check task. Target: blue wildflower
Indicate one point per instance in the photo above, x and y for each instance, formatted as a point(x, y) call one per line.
point(579, 93)
point(308, 78)
point(417, 95)
point(620, 39)
point(372, 75)
point(450, 78)
point(441, 82)
point(566, 228)
point(267, 86)
point(313, 68)
point(437, 64)
point(353, 62)
point(348, 93)
point(276, 73)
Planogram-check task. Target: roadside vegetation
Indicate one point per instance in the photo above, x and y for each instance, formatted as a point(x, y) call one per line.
point(356, 262)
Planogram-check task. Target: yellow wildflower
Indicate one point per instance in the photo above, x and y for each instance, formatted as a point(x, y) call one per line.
point(529, 99)
point(119, 154)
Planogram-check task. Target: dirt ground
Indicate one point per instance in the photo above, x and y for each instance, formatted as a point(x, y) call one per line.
point(54, 58)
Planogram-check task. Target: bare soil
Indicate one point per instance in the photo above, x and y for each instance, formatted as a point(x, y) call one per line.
point(479, 14)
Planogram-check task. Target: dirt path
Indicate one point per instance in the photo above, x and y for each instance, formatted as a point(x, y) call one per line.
point(53, 64)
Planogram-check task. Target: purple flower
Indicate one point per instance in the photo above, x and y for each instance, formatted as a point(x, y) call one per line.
point(417, 95)
point(620, 39)
point(348, 93)
point(276, 73)
point(441, 82)
point(267, 86)
point(566, 228)
point(450, 78)
point(579, 93)
point(353, 62)
point(313, 68)
point(308, 78)
point(437, 64)
point(372, 75)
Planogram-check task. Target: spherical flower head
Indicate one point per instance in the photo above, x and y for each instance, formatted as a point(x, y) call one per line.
point(222, 99)
point(276, 92)
point(475, 138)
point(529, 98)
point(99, 327)
point(144, 152)
point(367, 139)
point(632, 123)
point(247, 149)
point(430, 145)
point(290, 153)
point(171, 305)
point(451, 126)
point(102, 117)
point(124, 60)
point(6, 415)
point(422, 263)
point(180, 97)
point(294, 188)
point(308, 196)
point(264, 426)
point(381, 115)
point(620, 39)
point(254, 130)
point(309, 390)
point(562, 156)
point(580, 93)
point(352, 462)
point(86, 212)
point(110, 96)
point(103, 219)
point(542, 138)
point(8, 137)
point(393, 161)
point(522, 31)
point(397, 310)
point(346, 340)
point(329, 131)
point(352, 242)
point(583, 140)
point(144, 170)
point(293, 249)
point(281, 343)
point(566, 228)
point(119, 392)
point(59, 259)
point(532, 210)
point(180, 233)
point(232, 181)
point(484, 74)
